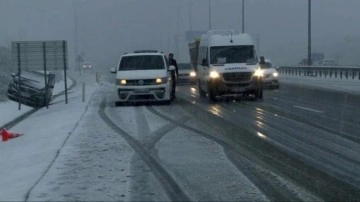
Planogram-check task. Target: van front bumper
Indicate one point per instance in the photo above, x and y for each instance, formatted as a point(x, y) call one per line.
point(222, 88)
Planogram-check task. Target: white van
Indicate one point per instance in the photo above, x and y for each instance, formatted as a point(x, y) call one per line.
point(228, 65)
point(143, 76)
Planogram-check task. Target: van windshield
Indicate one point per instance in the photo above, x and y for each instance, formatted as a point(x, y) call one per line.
point(231, 54)
point(141, 62)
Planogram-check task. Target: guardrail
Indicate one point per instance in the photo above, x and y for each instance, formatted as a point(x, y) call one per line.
point(342, 72)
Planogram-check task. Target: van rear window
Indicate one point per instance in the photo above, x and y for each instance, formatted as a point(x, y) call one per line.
point(142, 62)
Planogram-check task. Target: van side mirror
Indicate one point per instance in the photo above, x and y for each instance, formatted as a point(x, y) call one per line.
point(113, 70)
point(171, 68)
point(204, 62)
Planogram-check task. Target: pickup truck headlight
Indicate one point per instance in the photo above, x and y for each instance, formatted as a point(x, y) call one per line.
point(192, 74)
point(214, 74)
point(123, 82)
point(161, 80)
point(275, 74)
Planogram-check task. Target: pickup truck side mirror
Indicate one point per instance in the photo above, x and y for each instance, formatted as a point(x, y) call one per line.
point(204, 62)
point(171, 68)
point(113, 70)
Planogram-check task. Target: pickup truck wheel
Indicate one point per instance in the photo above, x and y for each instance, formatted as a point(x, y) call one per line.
point(201, 92)
point(167, 102)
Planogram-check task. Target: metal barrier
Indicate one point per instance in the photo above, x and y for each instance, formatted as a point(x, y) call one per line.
point(342, 72)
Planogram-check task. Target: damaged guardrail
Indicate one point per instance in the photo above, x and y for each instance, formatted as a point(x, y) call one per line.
point(341, 72)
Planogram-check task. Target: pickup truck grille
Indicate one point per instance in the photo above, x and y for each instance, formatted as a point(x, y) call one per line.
point(237, 76)
point(142, 82)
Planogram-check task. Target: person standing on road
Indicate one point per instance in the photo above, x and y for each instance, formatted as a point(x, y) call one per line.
point(175, 74)
point(262, 62)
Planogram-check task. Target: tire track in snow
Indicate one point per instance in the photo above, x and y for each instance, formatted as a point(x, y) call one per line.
point(170, 186)
point(264, 182)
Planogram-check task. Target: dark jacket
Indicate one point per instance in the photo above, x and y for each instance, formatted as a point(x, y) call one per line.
point(173, 62)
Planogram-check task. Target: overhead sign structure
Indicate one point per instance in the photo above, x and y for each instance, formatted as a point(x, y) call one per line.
point(38, 55)
point(34, 55)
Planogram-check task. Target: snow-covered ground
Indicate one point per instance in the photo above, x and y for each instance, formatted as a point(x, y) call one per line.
point(25, 160)
point(10, 110)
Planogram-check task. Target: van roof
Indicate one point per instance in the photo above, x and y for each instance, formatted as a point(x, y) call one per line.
point(228, 39)
point(143, 53)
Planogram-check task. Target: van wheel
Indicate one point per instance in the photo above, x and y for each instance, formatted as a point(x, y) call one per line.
point(201, 92)
point(259, 93)
point(211, 94)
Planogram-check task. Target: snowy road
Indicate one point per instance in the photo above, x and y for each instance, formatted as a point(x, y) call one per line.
point(299, 143)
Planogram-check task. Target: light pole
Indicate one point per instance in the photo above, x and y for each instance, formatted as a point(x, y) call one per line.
point(77, 57)
point(243, 17)
point(179, 9)
point(190, 25)
point(209, 14)
point(77, 64)
point(177, 33)
point(309, 33)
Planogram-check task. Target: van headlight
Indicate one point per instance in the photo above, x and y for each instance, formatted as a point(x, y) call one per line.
point(214, 74)
point(192, 74)
point(275, 74)
point(123, 82)
point(259, 73)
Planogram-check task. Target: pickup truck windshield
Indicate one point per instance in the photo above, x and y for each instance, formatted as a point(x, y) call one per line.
point(142, 62)
point(231, 54)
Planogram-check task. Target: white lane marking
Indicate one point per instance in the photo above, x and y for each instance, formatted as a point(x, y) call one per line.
point(305, 108)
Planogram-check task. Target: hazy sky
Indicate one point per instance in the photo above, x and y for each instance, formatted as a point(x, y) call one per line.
point(108, 28)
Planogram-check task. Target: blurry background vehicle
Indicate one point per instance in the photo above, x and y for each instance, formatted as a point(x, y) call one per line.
point(187, 73)
point(271, 75)
point(328, 62)
point(86, 65)
point(316, 59)
point(32, 88)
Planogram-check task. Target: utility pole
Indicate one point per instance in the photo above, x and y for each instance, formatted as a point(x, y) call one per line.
point(77, 66)
point(309, 33)
point(258, 43)
point(243, 17)
point(177, 33)
point(209, 14)
point(190, 20)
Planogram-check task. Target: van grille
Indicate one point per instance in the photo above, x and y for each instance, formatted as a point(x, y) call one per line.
point(237, 76)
